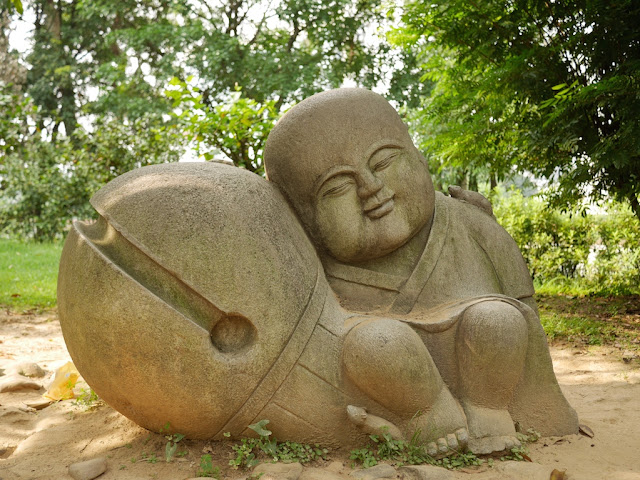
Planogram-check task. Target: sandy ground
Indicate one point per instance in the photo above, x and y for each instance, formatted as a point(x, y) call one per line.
point(604, 389)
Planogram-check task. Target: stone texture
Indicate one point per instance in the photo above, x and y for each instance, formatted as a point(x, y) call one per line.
point(393, 247)
point(311, 473)
point(368, 304)
point(28, 369)
point(425, 472)
point(15, 382)
point(372, 473)
point(39, 403)
point(279, 471)
point(88, 469)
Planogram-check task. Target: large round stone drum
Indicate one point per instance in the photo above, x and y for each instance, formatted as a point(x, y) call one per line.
point(191, 298)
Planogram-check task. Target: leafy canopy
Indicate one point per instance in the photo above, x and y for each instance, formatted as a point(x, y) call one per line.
point(549, 87)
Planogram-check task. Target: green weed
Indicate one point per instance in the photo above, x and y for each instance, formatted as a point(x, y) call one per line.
point(400, 452)
point(521, 453)
point(172, 443)
point(207, 469)
point(88, 399)
point(249, 450)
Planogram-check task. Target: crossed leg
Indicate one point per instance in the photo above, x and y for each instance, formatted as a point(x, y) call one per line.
point(491, 348)
point(388, 361)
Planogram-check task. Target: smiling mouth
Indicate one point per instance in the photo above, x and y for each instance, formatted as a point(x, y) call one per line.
point(381, 209)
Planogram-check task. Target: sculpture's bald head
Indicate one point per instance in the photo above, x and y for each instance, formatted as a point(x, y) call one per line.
point(347, 138)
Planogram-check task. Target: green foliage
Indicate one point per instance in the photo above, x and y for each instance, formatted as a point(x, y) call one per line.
point(28, 274)
point(88, 399)
point(249, 450)
point(172, 442)
point(386, 448)
point(13, 4)
point(207, 469)
point(521, 453)
point(591, 320)
point(545, 87)
point(598, 253)
point(46, 185)
point(237, 128)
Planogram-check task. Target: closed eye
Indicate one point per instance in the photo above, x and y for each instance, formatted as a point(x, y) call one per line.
point(381, 165)
point(338, 189)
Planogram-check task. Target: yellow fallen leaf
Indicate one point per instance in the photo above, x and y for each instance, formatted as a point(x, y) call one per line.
point(62, 386)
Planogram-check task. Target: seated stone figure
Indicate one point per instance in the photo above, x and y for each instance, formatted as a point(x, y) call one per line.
point(198, 300)
point(442, 268)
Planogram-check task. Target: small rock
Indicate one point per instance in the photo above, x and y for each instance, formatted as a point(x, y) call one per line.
point(89, 469)
point(39, 404)
point(15, 382)
point(31, 370)
point(372, 473)
point(319, 474)
point(517, 470)
point(279, 471)
point(425, 472)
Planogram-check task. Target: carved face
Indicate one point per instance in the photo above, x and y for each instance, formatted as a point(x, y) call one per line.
point(373, 201)
point(347, 165)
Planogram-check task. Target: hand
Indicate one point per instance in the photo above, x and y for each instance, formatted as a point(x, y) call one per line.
point(474, 198)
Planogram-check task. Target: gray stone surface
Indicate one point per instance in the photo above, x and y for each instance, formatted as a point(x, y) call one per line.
point(88, 469)
point(28, 369)
point(372, 473)
point(368, 304)
point(311, 473)
point(392, 246)
point(15, 382)
point(279, 471)
point(424, 472)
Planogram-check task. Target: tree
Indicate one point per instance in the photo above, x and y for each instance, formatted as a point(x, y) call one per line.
point(45, 185)
point(542, 86)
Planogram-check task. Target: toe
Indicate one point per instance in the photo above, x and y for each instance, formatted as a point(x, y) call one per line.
point(463, 436)
point(452, 442)
point(432, 449)
point(442, 445)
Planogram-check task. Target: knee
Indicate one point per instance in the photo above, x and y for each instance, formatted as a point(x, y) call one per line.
point(388, 360)
point(493, 326)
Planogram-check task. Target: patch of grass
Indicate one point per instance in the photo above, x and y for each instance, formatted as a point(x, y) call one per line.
point(172, 443)
point(28, 274)
point(207, 469)
point(400, 452)
point(250, 450)
point(592, 320)
point(88, 399)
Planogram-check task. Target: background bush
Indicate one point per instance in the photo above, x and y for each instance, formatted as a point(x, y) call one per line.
point(568, 252)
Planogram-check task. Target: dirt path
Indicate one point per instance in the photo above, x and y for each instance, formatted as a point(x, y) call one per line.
point(604, 389)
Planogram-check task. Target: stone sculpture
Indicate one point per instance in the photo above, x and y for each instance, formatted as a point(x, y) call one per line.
point(198, 299)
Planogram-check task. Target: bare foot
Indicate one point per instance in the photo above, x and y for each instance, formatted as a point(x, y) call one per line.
point(452, 442)
point(490, 430)
point(443, 427)
point(372, 424)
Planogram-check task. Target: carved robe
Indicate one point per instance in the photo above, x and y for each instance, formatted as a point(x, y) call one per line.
point(468, 259)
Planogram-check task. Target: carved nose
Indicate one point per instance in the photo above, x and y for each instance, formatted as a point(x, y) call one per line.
point(369, 185)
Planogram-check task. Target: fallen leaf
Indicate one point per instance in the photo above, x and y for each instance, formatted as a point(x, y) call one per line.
point(586, 431)
point(557, 475)
point(527, 458)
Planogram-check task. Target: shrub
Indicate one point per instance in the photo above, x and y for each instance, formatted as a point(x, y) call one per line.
point(565, 251)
